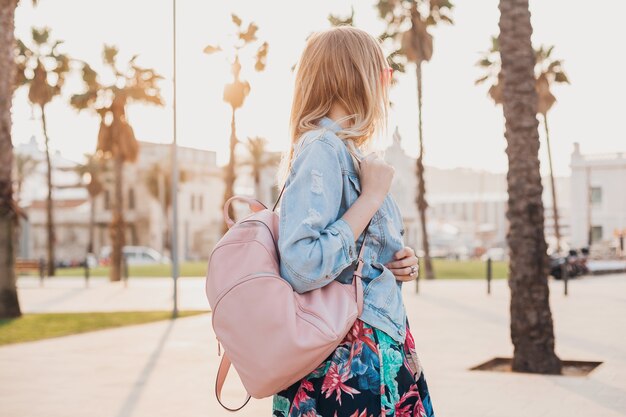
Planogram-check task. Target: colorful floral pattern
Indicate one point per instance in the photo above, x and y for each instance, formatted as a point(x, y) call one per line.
point(368, 375)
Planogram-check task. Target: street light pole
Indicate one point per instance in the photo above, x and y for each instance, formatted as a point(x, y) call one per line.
point(174, 251)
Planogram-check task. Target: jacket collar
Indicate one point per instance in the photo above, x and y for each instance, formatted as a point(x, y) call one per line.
point(329, 123)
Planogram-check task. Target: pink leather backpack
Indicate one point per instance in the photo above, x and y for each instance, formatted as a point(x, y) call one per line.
point(272, 335)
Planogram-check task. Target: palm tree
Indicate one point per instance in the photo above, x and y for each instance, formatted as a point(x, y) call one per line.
point(336, 20)
point(160, 189)
point(532, 331)
point(235, 94)
point(9, 302)
point(116, 138)
point(91, 172)
point(547, 72)
point(258, 160)
point(491, 63)
point(49, 69)
point(416, 46)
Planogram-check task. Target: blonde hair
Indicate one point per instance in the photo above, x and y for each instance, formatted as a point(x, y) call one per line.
point(342, 64)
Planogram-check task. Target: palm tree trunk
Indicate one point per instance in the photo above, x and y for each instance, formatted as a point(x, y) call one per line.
point(422, 205)
point(9, 303)
point(18, 189)
point(555, 210)
point(49, 207)
point(229, 175)
point(531, 319)
point(117, 222)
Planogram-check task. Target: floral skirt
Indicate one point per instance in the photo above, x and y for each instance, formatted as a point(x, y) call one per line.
point(368, 375)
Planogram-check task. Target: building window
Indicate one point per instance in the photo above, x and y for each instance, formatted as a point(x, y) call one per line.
point(200, 203)
point(107, 200)
point(596, 234)
point(193, 202)
point(596, 195)
point(131, 199)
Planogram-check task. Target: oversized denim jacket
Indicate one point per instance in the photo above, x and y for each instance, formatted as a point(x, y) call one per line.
point(316, 246)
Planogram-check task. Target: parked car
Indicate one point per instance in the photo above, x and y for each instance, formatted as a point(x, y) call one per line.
point(135, 255)
point(89, 259)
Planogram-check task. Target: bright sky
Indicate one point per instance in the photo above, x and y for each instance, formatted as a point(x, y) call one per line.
point(462, 127)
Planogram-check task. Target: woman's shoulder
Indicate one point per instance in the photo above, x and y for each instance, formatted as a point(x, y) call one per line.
point(321, 147)
point(320, 135)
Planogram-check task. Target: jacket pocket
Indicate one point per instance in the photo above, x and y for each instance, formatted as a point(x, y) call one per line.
point(380, 291)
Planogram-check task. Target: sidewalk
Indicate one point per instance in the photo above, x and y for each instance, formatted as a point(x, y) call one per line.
point(60, 294)
point(168, 368)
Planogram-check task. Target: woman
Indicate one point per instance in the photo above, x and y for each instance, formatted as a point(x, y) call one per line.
point(332, 190)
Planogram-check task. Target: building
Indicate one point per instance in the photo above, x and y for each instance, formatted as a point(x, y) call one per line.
point(466, 212)
point(598, 201)
point(200, 195)
point(404, 189)
point(147, 210)
point(70, 208)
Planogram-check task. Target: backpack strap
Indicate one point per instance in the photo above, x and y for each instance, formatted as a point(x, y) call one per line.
point(254, 204)
point(222, 372)
point(279, 196)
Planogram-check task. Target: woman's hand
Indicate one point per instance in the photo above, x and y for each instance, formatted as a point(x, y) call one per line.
point(406, 265)
point(376, 176)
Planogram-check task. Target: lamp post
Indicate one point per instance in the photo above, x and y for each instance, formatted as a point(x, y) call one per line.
point(174, 236)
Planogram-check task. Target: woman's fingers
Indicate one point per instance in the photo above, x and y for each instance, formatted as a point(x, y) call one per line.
point(404, 252)
point(401, 268)
point(402, 271)
point(405, 278)
point(408, 261)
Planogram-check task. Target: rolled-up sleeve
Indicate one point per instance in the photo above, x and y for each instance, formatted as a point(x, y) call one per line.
point(315, 245)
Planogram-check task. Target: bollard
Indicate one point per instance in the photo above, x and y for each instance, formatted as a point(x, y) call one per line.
point(86, 273)
point(489, 273)
point(564, 277)
point(42, 267)
point(125, 270)
point(417, 279)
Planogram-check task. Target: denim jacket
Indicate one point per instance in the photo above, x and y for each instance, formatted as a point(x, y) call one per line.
point(316, 246)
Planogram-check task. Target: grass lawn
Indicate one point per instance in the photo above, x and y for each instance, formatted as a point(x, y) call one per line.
point(31, 327)
point(187, 269)
point(474, 269)
point(444, 268)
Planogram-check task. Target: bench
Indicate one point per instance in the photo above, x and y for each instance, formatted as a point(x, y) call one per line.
point(26, 265)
